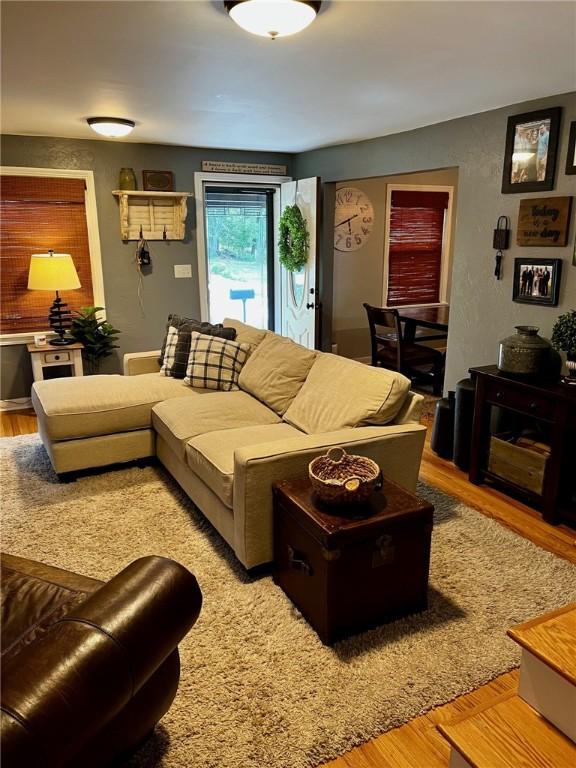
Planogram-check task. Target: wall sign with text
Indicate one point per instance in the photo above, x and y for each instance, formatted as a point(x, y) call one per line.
point(263, 169)
point(544, 221)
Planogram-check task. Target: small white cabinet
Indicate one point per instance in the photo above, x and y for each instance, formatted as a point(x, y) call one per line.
point(49, 356)
point(152, 215)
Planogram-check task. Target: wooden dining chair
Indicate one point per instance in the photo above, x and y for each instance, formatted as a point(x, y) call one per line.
point(389, 349)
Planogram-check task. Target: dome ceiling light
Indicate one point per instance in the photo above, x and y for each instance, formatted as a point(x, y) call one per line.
point(112, 127)
point(272, 18)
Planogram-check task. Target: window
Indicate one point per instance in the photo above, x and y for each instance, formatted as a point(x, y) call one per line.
point(236, 234)
point(42, 211)
point(416, 247)
point(240, 254)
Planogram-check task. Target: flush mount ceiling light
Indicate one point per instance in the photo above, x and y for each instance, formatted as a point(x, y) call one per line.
point(272, 18)
point(112, 127)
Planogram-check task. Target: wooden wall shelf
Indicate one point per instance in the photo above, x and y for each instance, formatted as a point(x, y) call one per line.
point(158, 215)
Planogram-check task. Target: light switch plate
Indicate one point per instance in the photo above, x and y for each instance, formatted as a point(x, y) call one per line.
point(182, 270)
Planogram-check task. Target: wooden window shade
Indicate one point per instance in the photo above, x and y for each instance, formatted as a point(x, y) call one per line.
point(415, 247)
point(39, 214)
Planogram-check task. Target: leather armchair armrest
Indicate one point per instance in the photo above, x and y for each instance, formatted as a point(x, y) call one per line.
point(141, 362)
point(60, 690)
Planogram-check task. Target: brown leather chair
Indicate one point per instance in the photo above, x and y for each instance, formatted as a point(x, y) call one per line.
point(89, 668)
point(390, 350)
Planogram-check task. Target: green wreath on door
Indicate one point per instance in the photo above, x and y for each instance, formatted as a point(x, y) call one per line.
point(294, 239)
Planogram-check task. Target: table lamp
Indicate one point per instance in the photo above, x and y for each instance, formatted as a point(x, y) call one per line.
point(55, 272)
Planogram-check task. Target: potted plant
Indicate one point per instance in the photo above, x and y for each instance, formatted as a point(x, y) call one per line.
point(97, 336)
point(564, 338)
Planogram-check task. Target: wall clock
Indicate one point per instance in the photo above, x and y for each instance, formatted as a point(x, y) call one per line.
point(353, 219)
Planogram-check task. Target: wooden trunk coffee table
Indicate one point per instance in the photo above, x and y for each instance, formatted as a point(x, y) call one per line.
point(348, 569)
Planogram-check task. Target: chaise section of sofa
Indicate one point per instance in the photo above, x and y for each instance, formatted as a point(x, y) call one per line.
point(227, 448)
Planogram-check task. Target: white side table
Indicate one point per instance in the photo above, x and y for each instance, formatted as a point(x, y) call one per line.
point(48, 357)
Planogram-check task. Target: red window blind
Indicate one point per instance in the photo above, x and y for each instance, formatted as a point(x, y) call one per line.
point(39, 213)
point(415, 247)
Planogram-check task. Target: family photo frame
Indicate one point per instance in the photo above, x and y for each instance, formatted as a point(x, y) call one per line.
point(571, 154)
point(531, 149)
point(537, 281)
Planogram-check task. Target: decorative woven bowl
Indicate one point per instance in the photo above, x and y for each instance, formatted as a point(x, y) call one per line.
point(340, 478)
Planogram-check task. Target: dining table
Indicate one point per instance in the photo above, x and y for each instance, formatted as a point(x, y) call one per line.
point(434, 318)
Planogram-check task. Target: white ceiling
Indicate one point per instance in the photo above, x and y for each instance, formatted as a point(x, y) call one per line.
point(188, 75)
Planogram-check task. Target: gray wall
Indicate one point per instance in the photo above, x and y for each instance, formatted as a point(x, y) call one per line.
point(482, 310)
point(359, 276)
point(162, 293)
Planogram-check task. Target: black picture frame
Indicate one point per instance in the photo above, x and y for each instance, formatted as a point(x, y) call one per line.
point(529, 290)
point(527, 131)
point(571, 152)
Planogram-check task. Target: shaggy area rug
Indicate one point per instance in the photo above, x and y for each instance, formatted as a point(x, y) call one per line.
point(258, 689)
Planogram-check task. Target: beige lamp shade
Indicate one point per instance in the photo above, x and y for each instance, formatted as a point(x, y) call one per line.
point(52, 272)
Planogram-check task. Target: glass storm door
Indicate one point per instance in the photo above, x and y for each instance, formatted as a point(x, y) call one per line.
point(240, 254)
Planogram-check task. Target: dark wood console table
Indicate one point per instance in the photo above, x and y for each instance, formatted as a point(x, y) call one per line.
point(552, 408)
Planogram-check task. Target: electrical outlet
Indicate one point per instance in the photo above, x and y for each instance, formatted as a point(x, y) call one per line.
point(182, 270)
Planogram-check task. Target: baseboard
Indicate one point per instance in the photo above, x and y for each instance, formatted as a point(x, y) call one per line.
point(17, 404)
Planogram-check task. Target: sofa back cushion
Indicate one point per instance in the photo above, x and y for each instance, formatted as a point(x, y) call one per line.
point(214, 363)
point(341, 393)
point(276, 370)
point(176, 344)
point(246, 334)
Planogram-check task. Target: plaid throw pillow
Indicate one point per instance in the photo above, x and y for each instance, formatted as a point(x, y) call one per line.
point(176, 367)
point(215, 363)
point(170, 344)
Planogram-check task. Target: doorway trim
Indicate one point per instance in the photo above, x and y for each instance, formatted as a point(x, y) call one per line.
point(225, 179)
point(446, 239)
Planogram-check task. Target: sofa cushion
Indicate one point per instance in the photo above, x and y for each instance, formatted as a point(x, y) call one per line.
point(276, 371)
point(246, 334)
point(175, 350)
point(211, 455)
point(342, 393)
point(177, 420)
point(215, 363)
point(86, 406)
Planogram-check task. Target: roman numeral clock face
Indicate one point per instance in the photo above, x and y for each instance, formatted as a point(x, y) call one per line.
point(353, 220)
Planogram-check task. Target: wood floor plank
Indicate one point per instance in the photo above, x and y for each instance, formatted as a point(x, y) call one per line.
point(418, 744)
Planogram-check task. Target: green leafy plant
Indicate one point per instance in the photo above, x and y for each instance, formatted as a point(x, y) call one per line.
point(294, 239)
point(97, 336)
point(564, 333)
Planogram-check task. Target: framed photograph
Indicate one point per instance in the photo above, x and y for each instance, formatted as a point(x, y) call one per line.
point(537, 281)
point(158, 181)
point(571, 154)
point(531, 145)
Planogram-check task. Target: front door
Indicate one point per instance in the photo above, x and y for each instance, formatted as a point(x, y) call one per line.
point(300, 308)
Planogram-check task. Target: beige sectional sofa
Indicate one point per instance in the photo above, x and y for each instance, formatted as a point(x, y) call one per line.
point(226, 448)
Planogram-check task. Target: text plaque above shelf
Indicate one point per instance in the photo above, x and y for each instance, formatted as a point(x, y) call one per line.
point(264, 169)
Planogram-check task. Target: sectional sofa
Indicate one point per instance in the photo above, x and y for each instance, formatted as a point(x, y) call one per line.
point(226, 448)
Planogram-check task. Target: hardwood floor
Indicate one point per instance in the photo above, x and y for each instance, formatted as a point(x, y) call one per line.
point(418, 744)
point(14, 423)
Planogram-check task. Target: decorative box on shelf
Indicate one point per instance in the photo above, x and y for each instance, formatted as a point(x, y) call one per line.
point(521, 461)
point(154, 215)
